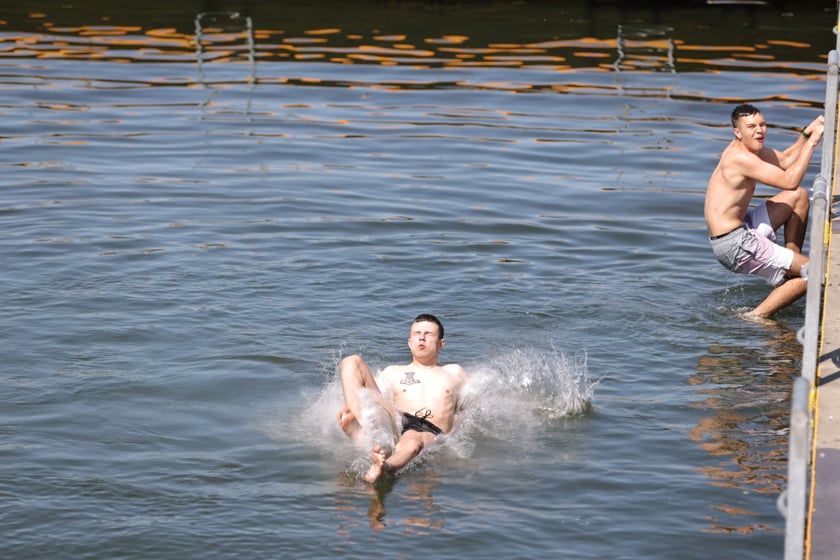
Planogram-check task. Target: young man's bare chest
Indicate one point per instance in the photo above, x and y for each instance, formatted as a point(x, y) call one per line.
point(421, 385)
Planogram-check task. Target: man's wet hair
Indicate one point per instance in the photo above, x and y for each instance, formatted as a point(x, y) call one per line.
point(743, 110)
point(432, 319)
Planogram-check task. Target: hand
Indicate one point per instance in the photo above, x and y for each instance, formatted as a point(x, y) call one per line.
point(816, 133)
point(818, 122)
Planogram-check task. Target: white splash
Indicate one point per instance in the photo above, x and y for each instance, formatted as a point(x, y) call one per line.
point(508, 397)
point(513, 395)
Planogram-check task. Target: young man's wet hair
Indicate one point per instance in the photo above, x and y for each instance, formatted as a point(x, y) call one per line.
point(431, 319)
point(743, 110)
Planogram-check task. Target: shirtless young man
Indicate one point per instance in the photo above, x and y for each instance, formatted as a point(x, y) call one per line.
point(744, 239)
point(422, 394)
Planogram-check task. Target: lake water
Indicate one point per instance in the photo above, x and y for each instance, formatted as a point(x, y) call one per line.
point(195, 231)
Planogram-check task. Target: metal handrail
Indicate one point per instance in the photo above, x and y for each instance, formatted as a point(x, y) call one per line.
point(793, 501)
point(810, 332)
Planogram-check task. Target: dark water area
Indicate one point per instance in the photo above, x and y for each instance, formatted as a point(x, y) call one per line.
point(205, 205)
point(559, 35)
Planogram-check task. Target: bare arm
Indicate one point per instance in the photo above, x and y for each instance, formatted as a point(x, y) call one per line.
point(792, 153)
point(767, 166)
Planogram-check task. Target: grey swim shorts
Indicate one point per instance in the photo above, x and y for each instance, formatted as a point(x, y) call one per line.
point(752, 248)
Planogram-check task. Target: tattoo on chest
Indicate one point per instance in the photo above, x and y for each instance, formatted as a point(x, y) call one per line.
point(409, 379)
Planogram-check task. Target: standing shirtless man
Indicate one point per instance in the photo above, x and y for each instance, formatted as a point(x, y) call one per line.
point(744, 239)
point(422, 395)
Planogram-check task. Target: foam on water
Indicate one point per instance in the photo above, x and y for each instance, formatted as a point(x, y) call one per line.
point(508, 397)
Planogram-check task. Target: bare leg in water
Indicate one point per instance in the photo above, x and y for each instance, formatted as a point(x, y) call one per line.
point(788, 209)
point(356, 376)
point(409, 446)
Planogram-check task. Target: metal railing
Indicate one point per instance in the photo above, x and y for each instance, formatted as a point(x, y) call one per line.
point(793, 501)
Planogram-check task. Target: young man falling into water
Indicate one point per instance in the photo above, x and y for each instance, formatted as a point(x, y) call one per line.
point(743, 238)
point(422, 394)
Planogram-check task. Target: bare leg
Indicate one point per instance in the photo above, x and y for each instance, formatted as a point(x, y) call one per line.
point(410, 445)
point(799, 260)
point(790, 208)
point(355, 376)
point(379, 466)
point(781, 297)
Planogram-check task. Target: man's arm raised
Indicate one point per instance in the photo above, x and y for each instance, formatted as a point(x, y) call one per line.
point(790, 155)
point(770, 173)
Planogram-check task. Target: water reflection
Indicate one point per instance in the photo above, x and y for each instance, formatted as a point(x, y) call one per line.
point(415, 501)
point(747, 395)
point(546, 37)
point(220, 36)
point(641, 47)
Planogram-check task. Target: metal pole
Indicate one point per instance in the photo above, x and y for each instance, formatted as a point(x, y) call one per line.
point(816, 279)
point(794, 498)
point(795, 495)
point(793, 502)
point(829, 144)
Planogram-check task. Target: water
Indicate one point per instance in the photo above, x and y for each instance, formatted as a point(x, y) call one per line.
point(189, 250)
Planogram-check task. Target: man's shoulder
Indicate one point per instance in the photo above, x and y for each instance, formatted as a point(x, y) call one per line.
point(453, 367)
point(741, 163)
point(738, 152)
point(456, 370)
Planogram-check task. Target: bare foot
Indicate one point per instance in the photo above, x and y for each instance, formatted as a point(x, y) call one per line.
point(347, 422)
point(379, 466)
point(758, 319)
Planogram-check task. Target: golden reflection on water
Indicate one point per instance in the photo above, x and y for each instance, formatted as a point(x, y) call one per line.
point(227, 38)
point(747, 401)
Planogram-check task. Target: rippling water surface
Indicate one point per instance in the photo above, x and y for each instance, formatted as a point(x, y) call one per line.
point(201, 217)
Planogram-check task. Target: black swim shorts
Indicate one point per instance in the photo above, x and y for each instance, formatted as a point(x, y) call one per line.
point(418, 424)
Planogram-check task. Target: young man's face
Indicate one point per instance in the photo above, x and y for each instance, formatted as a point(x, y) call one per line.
point(752, 130)
point(424, 339)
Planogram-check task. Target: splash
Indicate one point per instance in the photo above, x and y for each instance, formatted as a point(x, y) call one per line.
point(522, 391)
point(508, 397)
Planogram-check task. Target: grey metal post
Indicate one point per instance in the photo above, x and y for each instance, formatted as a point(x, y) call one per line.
point(809, 335)
point(827, 168)
point(793, 502)
point(816, 279)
